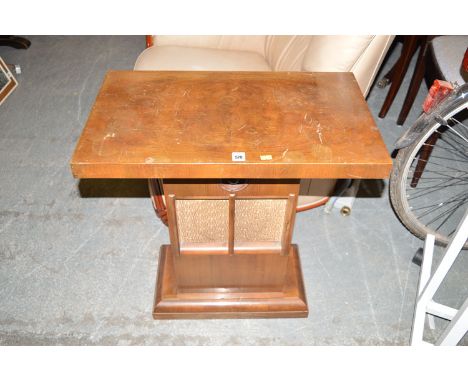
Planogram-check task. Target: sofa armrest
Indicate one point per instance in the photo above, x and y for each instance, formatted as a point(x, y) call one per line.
point(361, 55)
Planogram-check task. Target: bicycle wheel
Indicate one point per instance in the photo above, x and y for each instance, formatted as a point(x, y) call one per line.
point(429, 181)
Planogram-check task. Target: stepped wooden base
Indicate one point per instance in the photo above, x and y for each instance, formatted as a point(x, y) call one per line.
point(173, 302)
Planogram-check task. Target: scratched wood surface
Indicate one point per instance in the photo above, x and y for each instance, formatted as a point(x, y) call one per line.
point(187, 124)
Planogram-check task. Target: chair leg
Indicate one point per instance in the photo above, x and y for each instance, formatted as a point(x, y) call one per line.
point(424, 155)
point(416, 80)
point(391, 72)
point(388, 78)
point(408, 47)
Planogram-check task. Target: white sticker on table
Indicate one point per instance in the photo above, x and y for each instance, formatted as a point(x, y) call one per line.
point(238, 156)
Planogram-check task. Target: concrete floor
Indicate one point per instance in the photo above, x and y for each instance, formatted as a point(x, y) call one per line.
point(78, 258)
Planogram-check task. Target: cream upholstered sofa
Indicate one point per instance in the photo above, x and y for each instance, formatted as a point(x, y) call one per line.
point(361, 55)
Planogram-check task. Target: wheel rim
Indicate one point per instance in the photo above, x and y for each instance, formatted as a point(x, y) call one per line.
point(438, 201)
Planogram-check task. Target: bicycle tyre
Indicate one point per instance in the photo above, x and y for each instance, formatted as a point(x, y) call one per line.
point(399, 179)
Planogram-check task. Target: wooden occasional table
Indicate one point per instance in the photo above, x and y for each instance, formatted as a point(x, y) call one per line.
point(231, 148)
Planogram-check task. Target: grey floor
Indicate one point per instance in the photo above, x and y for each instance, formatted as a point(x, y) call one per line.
point(78, 259)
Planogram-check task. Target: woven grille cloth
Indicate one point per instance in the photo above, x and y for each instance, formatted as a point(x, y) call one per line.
point(202, 221)
point(259, 219)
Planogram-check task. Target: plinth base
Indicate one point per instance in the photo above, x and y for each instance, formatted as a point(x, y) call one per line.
point(172, 302)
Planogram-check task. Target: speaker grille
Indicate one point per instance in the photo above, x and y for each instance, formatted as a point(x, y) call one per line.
point(202, 221)
point(259, 220)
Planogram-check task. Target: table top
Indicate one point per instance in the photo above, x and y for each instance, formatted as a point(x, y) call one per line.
point(163, 124)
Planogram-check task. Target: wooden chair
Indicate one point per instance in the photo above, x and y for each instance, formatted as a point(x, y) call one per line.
point(397, 73)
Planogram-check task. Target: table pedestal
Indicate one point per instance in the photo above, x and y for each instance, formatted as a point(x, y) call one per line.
point(230, 149)
point(266, 286)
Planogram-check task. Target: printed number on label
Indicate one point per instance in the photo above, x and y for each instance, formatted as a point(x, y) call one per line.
point(238, 156)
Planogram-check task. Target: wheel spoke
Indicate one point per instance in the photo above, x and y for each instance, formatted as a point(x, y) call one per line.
point(424, 193)
point(456, 153)
point(437, 204)
point(448, 140)
point(444, 158)
point(463, 182)
point(448, 217)
point(443, 204)
point(459, 123)
point(436, 179)
point(450, 211)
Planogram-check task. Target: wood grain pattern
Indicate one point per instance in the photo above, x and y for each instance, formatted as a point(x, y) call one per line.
point(206, 188)
point(288, 225)
point(187, 124)
point(282, 296)
point(183, 127)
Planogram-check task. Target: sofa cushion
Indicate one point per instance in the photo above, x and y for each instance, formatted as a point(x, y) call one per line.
point(185, 58)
